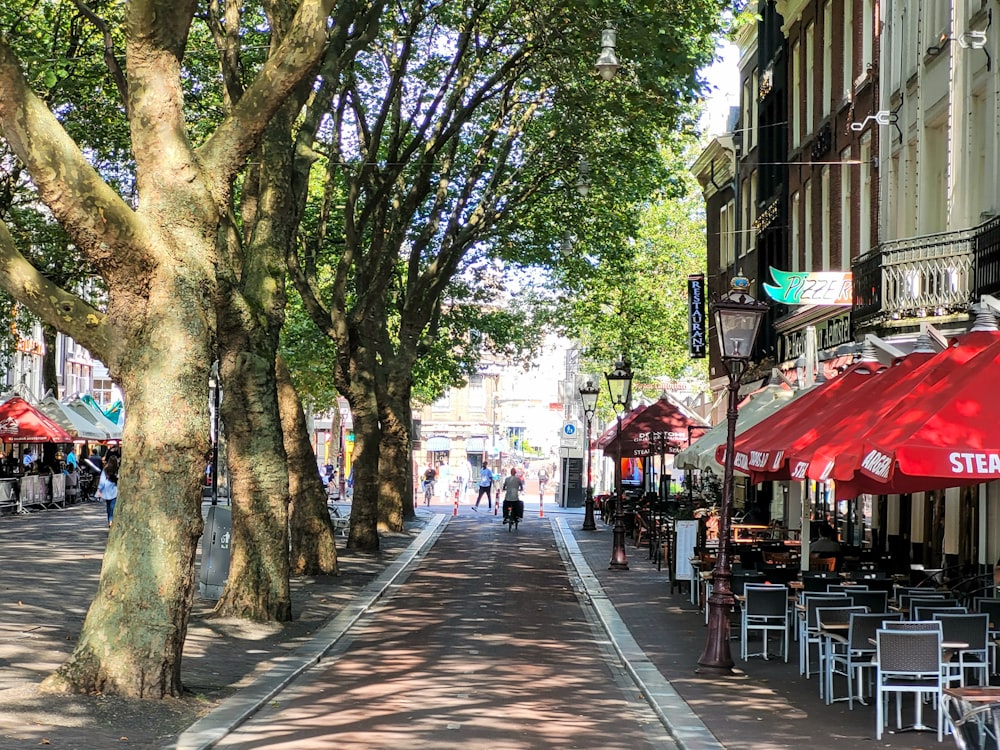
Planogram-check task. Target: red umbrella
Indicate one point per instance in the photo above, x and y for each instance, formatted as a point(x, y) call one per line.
point(760, 450)
point(646, 430)
point(20, 422)
point(838, 454)
point(946, 436)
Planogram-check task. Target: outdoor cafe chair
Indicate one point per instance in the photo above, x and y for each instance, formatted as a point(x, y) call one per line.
point(845, 588)
point(833, 624)
point(809, 628)
point(855, 659)
point(876, 601)
point(818, 580)
point(905, 601)
point(926, 611)
point(991, 607)
point(972, 629)
point(907, 662)
point(765, 609)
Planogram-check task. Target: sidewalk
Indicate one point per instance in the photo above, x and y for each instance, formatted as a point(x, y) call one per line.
point(50, 564)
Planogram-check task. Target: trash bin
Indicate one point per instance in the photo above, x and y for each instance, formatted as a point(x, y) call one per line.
point(215, 545)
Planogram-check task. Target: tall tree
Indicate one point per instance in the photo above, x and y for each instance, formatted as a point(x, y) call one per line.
point(159, 262)
point(456, 138)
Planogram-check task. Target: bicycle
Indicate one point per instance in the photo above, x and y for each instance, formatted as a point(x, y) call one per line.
point(428, 492)
point(513, 512)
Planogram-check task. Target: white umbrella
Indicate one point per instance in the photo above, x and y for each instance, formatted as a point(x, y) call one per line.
point(69, 420)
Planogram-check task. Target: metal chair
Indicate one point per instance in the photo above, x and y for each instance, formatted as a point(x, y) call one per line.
point(908, 662)
point(844, 588)
point(818, 580)
point(765, 610)
point(831, 640)
point(927, 611)
point(972, 629)
point(857, 654)
point(876, 601)
point(808, 627)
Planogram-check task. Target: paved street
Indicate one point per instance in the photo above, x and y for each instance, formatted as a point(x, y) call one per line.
point(466, 636)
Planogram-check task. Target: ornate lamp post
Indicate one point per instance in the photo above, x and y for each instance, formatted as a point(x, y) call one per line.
point(737, 320)
point(588, 397)
point(620, 388)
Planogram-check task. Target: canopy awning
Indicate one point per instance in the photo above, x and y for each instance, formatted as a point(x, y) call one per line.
point(78, 427)
point(660, 427)
point(20, 422)
point(475, 445)
point(438, 443)
point(944, 434)
point(701, 453)
point(854, 439)
point(96, 416)
point(760, 451)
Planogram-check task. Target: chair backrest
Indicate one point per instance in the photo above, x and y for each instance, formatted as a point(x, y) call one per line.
point(927, 611)
point(864, 626)
point(817, 562)
point(740, 581)
point(818, 581)
point(845, 588)
point(830, 602)
point(913, 625)
point(915, 653)
point(767, 601)
point(905, 600)
point(918, 590)
point(880, 584)
point(836, 615)
point(876, 601)
point(779, 573)
point(965, 628)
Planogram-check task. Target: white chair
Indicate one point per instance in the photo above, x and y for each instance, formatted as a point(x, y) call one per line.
point(808, 629)
point(765, 610)
point(857, 655)
point(908, 661)
point(971, 629)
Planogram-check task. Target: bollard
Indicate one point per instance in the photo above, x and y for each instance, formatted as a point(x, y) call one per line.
point(496, 505)
point(541, 509)
point(455, 512)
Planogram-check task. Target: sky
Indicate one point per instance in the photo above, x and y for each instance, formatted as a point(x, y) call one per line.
point(724, 78)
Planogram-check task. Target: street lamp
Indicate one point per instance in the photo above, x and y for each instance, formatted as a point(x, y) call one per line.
point(588, 396)
point(737, 320)
point(607, 62)
point(620, 388)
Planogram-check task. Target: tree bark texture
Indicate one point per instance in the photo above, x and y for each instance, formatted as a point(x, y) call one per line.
point(313, 549)
point(396, 457)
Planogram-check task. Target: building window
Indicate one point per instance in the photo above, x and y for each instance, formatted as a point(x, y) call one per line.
point(827, 56)
point(845, 211)
point(796, 227)
point(808, 69)
point(477, 393)
point(867, 33)
point(443, 403)
point(796, 95)
point(848, 46)
point(807, 226)
point(865, 214)
point(825, 200)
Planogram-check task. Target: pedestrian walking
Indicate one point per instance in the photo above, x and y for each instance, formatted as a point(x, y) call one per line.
point(107, 486)
point(485, 485)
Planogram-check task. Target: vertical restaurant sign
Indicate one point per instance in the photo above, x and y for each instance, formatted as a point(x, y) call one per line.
point(697, 335)
point(810, 287)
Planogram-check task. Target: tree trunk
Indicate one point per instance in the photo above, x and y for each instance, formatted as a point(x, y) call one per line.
point(50, 378)
point(396, 458)
point(133, 635)
point(363, 535)
point(313, 551)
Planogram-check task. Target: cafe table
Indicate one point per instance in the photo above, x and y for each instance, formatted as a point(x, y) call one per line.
point(972, 712)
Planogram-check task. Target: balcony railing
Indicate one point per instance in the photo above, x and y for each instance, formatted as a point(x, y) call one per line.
point(935, 274)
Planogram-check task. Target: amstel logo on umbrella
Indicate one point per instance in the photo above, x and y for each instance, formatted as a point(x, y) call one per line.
point(877, 464)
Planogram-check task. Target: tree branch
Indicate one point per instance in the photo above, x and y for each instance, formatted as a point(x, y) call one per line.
point(52, 304)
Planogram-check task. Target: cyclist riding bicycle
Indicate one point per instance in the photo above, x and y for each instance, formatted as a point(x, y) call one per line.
point(512, 503)
point(430, 475)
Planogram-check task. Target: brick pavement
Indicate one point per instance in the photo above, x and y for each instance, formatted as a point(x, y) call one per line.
point(49, 563)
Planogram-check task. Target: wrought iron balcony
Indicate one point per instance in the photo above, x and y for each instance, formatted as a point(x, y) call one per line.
point(932, 275)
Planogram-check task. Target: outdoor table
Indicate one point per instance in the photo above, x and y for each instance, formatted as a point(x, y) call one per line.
point(977, 704)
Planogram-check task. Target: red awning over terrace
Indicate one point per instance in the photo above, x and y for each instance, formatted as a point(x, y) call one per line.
point(660, 427)
point(20, 422)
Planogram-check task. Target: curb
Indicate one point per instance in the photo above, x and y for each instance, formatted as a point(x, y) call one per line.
point(233, 711)
point(683, 724)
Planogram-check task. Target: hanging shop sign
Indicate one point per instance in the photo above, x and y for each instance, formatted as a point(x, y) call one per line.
point(810, 288)
point(697, 336)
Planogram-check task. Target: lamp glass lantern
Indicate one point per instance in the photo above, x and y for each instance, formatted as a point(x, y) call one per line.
point(588, 397)
point(620, 385)
point(607, 62)
point(737, 320)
